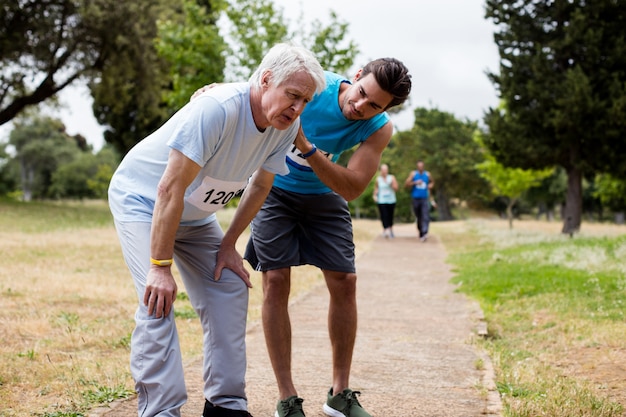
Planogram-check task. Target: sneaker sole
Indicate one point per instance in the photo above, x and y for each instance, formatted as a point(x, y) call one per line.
point(329, 411)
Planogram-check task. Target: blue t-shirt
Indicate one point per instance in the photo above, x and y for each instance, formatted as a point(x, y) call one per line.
point(215, 130)
point(420, 190)
point(326, 127)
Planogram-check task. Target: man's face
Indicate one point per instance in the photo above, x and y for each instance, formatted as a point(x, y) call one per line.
point(364, 99)
point(420, 166)
point(283, 104)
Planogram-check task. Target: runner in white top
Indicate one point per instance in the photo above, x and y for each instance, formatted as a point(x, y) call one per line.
point(163, 197)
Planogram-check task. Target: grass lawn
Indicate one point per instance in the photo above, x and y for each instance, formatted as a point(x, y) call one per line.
point(555, 309)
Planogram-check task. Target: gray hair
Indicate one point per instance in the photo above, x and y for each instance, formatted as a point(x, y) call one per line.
point(285, 60)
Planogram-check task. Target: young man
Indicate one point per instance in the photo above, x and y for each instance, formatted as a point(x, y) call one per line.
point(420, 183)
point(163, 197)
point(305, 219)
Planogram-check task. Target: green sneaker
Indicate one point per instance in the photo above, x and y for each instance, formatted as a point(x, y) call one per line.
point(344, 404)
point(291, 407)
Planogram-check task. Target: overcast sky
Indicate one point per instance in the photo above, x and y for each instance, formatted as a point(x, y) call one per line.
point(446, 44)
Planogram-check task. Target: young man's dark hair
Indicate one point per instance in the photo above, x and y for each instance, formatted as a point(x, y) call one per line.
point(392, 76)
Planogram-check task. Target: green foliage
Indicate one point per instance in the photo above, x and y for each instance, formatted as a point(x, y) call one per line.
point(195, 50)
point(141, 59)
point(128, 92)
point(106, 395)
point(58, 42)
point(506, 182)
point(510, 182)
point(257, 25)
point(48, 163)
point(330, 46)
point(91, 397)
point(611, 191)
point(45, 41)
point(71, 179)
point(41, 145)
point(448, 150)
point(550, 192)
point(64, 414)
point(98, 185)
point(563, 85)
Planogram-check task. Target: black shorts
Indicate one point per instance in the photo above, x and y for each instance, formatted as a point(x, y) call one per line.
point(294, 229)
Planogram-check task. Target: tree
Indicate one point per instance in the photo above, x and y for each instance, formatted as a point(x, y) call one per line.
point(612, 193)
point(330, 45)
point(194, 49)
point(256, 25)
point(86, 176)
point(563, 81)
point(510, 183)
point(41, 146)
point(131, 89)
point(46, 45)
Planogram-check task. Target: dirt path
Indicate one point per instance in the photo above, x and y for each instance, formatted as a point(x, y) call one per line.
point(414, 354)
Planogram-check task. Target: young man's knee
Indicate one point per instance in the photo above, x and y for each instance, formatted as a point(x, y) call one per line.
point(342, 283)
point(276, 283)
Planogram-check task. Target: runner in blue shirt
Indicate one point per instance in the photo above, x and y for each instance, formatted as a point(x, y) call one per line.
point(420, 183)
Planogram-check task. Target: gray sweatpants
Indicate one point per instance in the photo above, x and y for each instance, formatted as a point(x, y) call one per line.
point(156, 362)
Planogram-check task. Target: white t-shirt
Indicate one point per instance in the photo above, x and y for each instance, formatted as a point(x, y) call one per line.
point(215, 130)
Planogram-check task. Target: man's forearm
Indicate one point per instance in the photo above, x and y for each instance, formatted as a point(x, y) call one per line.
point(345, 182)
point(165, 221)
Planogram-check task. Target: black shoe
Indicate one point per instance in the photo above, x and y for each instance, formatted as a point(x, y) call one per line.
point(211, 410)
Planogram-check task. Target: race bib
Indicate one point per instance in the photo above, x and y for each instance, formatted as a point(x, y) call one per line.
point(213, 194)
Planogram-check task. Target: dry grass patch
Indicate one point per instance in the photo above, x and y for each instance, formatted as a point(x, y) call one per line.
point(68, 303)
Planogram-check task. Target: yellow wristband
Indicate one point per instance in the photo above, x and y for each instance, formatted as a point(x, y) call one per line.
point(161, 262)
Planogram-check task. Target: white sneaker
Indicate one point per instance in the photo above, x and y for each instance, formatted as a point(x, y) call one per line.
point(423, 238)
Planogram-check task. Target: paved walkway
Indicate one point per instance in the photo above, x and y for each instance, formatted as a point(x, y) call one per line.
point(414, 355)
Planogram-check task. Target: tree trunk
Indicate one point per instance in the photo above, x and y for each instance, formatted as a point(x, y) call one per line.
point(27, 177)
point(509, 211)
point(443, 204)
point(572, 214)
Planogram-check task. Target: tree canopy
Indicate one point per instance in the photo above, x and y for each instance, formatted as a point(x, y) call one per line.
point(45, 45)
point(510, 183)
point(256, 25)
point(142, 59)
point(563, 83)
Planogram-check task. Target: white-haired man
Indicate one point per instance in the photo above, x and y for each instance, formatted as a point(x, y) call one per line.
point(163, 197)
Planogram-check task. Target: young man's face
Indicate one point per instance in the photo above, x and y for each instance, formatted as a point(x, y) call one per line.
point(284, 103)
point(364, 99)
